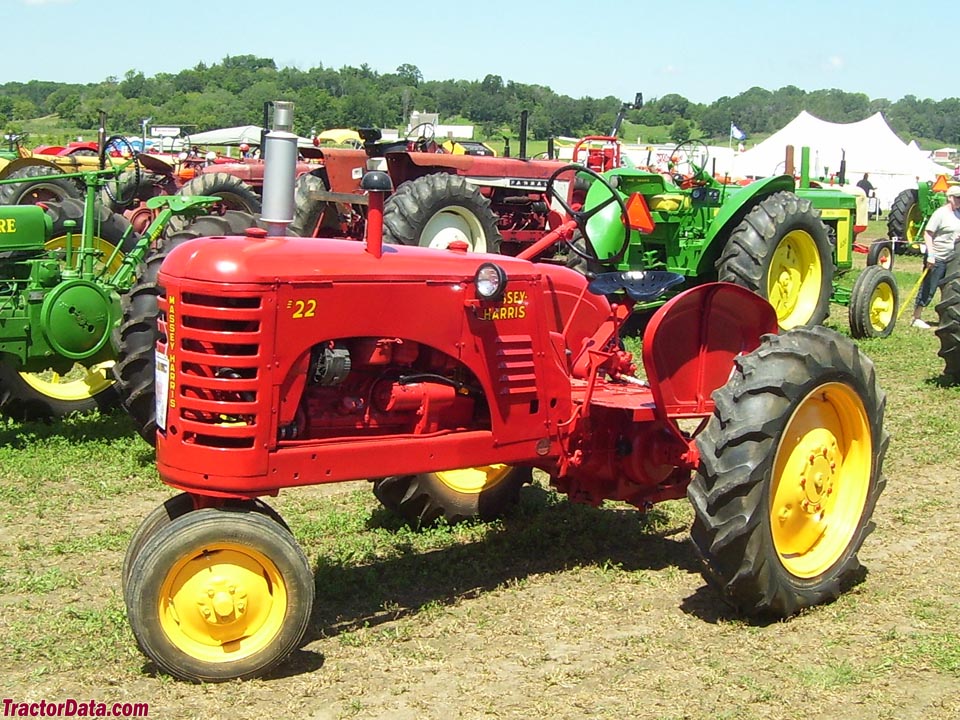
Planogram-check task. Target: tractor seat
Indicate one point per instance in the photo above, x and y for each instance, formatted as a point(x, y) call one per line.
point(669, 202)
point(640, 285)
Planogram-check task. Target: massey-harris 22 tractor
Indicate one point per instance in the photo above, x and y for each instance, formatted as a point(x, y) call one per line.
point(287, 361)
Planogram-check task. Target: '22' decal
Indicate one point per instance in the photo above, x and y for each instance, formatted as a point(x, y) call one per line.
point(303, 308)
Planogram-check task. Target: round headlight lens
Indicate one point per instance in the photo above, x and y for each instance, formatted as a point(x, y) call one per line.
point(491, 281)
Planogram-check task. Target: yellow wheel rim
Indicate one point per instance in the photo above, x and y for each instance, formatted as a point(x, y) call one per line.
point(81, 382)
point(885, 258)
point(472, 481)
point(821, 476)
point(223, 603)
point(914, 221)
point(881, 307)
point(78, 384)
point(794, 279)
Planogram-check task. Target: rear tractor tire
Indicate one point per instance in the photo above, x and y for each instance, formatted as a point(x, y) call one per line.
point(781, 251)
point(31, 192)
point(904, 222)
point(219, 594)
point(790, 472)
point(874, 303)
point(948, 327)
point(453, 496)
point(233, 192)
point(136, 337)
point(434, 210)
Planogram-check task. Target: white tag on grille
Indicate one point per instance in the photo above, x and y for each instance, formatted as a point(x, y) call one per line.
point(162, 381)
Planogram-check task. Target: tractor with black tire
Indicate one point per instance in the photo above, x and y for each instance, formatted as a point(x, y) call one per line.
point(909, 213)
point(279, 365)
point(63, 267)
point(948, 313)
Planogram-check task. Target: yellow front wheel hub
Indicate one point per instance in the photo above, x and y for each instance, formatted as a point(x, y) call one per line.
point(794, 279)
point(821, 477)
point(223, 603)
point(80, 383)
point(882, 307)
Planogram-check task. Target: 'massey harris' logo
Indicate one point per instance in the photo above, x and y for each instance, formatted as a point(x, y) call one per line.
point(513, 307)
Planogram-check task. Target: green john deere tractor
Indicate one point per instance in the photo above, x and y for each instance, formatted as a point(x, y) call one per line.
point(63, 268)
point(791, 243)
point(909, 213)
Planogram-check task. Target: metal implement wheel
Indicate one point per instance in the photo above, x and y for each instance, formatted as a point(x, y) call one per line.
point(434, 210)
point(31, 192)
point(781, 251)
point(905, 222)
point(948, 327)
point(790, 472)
point(453, 495)
point(874, 302)
point(50, 394)
point(136, 337)
point(881, 253)
point(219, 594)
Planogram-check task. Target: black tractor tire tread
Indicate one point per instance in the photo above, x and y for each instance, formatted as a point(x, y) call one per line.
point(235, 193)
point(875, 251)
point(15, 193)
point(745, 257)
point(948, 327)
point(898, 217)
point(423, 499)
point(306, 213)
point(408, 210)
point(136, 337)
point(729, 492)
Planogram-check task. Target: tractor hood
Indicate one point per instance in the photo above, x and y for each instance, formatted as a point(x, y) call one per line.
point(266, 260)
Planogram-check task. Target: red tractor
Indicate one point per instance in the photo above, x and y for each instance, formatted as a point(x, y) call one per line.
point(447, 377)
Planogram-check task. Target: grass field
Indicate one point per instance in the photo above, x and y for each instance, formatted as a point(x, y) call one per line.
point(557, 611)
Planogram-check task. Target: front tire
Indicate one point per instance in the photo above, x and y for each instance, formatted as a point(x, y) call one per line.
point(874, 302)
point(434, 210)
point(220, 594)
point(790, 472)
point(880, 253)
point(421, 500)
point(781, 251)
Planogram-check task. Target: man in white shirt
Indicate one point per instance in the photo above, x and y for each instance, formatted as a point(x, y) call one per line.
point(940, 236)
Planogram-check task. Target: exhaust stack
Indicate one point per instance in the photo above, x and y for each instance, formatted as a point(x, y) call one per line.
point(279, 170)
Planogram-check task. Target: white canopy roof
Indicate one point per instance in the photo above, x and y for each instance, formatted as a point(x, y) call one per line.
point(233, 136)
point(870, 146)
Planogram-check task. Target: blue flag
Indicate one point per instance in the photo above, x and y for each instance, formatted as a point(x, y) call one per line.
point(736, 133)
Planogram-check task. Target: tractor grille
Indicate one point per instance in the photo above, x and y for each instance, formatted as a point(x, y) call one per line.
point(216, 356)
point(515, 369)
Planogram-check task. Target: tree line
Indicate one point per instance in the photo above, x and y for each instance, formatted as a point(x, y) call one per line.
point(233, 92)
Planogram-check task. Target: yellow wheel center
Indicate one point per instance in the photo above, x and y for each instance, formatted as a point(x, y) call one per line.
point(472, 481)
point(794, 279)
point(881, 307)
point(821, 477)
point(223, 604)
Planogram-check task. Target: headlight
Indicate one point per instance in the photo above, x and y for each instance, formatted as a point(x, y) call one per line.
point(491, 281)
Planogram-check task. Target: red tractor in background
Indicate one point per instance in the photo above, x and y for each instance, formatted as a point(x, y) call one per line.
point(446, 377)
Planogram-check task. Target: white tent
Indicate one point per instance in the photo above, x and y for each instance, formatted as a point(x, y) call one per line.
point(233, 136)
point(870, 146)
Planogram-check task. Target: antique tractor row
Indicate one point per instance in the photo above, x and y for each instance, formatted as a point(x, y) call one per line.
point(284, 361)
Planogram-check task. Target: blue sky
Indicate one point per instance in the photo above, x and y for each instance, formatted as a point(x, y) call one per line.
point(701, 50)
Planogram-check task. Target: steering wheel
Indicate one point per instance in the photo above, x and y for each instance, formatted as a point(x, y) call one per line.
point(121, 143)
point(698, 172)
point(421, 135)
point(582, 217)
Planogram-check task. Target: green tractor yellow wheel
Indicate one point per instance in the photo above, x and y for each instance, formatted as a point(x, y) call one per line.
point(782, 252)
point(219, 594)
point(874, 303)
point(905, 222)
point(452, 495)
point(80, 388)
point(790, 473)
